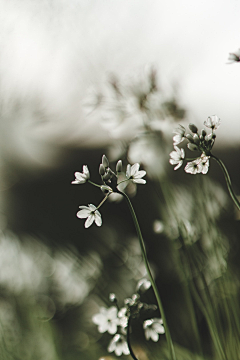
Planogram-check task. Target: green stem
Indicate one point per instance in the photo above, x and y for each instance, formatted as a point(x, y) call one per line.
point(90, 182)
point(228, 181)
point(128, 339)
point(144, 254)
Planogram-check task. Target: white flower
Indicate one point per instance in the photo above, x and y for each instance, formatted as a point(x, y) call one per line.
point(212, 122)
point(234, 57)
point(177, 157)
point(81, 178)
point(194, 167)
point(200, 165)
point(119, 345)
point(123, 318)
point(143, 285)
point(153, 328)
point(91, 213)
point(134, 174)
point(107, 320)
point(180, 135)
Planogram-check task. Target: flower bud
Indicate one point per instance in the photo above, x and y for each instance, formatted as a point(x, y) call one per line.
point(106, 189)
point(112, 297)
point(214, 136)
point(192, 147)
point(101, 169)
point(196, 139)
point(204, 133)
point(105, 161)
point(190, 138)
point(119, 166)
point(106, 176)
point(193, 128)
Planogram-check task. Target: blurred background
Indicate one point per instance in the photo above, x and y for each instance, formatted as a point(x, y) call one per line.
point(79, 79)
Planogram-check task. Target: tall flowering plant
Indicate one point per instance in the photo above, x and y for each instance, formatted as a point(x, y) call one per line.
point(108, 320)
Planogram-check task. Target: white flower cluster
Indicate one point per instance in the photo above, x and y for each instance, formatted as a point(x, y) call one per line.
point(202, 142)
point(115, 321)
point(111, 182)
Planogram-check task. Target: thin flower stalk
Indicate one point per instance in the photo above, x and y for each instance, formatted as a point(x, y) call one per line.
point(228, 181)
point(128, 339)
point(154, 286)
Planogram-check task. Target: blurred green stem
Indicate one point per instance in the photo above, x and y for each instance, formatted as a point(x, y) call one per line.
point(228, 181)
point(128, 339)
point(144, 254)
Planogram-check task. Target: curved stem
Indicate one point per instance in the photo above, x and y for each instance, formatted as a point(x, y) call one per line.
point(144, 254)
point(228, 181)
point(128, 339)
point(90, 182)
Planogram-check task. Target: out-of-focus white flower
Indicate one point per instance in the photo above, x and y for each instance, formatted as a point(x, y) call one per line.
point(123, 318)
point(107, 320)
point(177, 157)
point(134, 174)
point(91, 213)
point(152, 328)
point(119, 345)
point(143, 285)
point(234, 57)
point(212, 122)
point(180, 135)
point(81, 178)
point(158, 226)
point(194, 167)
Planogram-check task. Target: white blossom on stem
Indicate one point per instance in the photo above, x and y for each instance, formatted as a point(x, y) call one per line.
point(152, 328)
point(180, 135)
point(107, 320)
point(91, 213)
point(81, 178)
point(119, 345)
point(134, 174)
point(194, 167)
point(212, 122)
point(177, 157)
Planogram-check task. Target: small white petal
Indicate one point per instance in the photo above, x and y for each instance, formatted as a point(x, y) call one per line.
point(140, 174)
point(134, 169)
point(128, 171)
point(154, 336)
point(179, 165)
point(82, 214)
point(139, 181)
point(89, 221)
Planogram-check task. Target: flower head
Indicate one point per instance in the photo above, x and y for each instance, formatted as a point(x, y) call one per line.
point(194, 167)
point(91, 213)
point(212, 122)
point(234, 57)
point(119, 345)
point(177, 157)
point(153, 328)
point(134, 174)
point(81, 178)
point(107, 320)
point(180, 135)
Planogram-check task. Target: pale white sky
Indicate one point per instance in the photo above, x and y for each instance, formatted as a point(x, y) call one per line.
point(55, 50)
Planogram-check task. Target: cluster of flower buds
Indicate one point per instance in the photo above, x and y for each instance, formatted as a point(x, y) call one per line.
point(110, 183)
point(115, 320)
point(201, 142)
